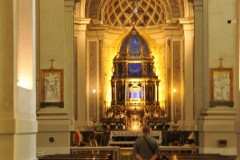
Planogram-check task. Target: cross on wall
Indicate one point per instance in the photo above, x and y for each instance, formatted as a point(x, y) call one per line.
point(51, 61)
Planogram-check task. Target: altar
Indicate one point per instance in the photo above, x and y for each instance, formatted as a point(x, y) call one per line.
point(127, 138)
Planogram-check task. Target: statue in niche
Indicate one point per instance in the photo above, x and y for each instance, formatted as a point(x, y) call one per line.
point(52, 88)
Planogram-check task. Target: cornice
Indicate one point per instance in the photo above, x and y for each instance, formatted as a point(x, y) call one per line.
point(82, 21)
point(187, 20)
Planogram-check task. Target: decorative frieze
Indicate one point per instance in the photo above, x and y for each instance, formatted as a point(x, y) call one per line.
point(92, 72)
point(93, 9)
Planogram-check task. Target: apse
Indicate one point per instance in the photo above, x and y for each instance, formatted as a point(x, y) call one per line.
point(134, 84)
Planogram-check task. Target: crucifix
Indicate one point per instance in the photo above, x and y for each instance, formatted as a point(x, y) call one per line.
point(51, 60)
point(221, 60)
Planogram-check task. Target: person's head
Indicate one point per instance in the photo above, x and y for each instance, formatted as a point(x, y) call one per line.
point(146, 129)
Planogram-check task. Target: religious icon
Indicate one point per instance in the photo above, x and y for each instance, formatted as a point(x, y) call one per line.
point(52, 87)
point(221, 86)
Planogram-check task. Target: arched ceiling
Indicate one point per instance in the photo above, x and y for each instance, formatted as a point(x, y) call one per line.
point(118, 13)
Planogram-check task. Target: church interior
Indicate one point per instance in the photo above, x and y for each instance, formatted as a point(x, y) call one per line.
point(84, 76)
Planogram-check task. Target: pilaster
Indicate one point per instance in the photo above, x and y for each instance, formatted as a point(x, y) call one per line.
point(18, 124)
point(215, 125)
point(198, 65)
point(55, 123)
point(188, 111)
point(80, 25)
point(198, 72)
point(69, 60)
point(237, 122)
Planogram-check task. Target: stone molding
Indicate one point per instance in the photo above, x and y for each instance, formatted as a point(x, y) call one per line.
point(188, 20)
point(82, 21)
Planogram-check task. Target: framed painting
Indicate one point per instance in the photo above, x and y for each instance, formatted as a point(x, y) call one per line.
point(51, 87)
point(221, 87)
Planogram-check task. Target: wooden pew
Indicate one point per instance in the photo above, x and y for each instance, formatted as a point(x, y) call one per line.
point(84, 156)
point(198, 157)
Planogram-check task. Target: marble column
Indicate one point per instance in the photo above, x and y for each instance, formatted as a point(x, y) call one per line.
point(188, 111)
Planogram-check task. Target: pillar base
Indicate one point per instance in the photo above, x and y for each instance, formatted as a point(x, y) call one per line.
point(217, 132)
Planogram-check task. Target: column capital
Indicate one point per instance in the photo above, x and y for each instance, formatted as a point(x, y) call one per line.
point(188, 23)
point(69, 3)
point(80, 24)
point(198, 4)
point(82, 21)
point(187, 20)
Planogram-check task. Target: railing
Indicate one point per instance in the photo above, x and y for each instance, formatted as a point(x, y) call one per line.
point(113, 150)
point(126, 153)
point(129, 137)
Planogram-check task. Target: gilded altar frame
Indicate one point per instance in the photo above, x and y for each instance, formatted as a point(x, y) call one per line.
point(51, 85)
point(221, 87)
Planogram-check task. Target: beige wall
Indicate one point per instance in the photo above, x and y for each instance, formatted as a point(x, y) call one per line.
point(7, 60)
point(221, 41)
point(17, 99)
point(56, 41)
point(218, 40)
point(52, 33)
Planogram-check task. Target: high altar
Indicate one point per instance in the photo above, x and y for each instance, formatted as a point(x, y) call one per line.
point(134, 85)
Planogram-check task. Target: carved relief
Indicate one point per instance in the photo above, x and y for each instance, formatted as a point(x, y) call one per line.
point(167, 9)
point(177, 76)
point(108, 54)
point(181, 8)
point(77, 9)
point(169, 74)
point(92, 78)
point(175, 8)
point(93, 9)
